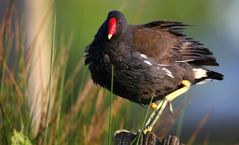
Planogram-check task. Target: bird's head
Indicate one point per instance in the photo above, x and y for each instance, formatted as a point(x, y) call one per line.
point(116, 24)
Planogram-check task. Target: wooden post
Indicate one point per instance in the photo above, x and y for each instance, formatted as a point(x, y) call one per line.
point(124, 137)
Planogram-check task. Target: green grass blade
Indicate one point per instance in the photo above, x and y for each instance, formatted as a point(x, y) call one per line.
point(2, 80)
point(60, 103)
point(143, 124)
point(50, 80)
point(181, 118)
point(110, 113)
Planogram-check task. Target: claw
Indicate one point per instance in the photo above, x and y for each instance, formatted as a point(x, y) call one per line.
point(147, 129)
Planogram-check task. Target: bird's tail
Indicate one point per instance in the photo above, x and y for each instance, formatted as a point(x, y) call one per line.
point(203, 75)
point(214, 75)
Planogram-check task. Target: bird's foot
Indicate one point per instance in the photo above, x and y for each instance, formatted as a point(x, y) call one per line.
point(158, 109)
point(147, 129)
point(154, 116)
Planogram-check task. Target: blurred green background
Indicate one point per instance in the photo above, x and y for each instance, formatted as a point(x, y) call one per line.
point(211, 109)
point(215, 24)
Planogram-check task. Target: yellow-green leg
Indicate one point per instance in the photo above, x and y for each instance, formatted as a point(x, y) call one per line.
point(163, 103)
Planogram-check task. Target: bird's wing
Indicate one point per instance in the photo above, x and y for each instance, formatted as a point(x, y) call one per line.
point(163, 41)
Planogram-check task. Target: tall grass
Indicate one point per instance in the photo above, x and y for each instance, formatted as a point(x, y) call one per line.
point(110, 106)
point(80, 110)
point(50, 79)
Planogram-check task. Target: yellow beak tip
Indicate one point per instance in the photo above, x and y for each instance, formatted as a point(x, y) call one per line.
point(109, 36)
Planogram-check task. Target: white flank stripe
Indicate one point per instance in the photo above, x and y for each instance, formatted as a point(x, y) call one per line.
point(188, 60)
point(199, 73)
point(147, 62)
point(168, 72)
point(204, 82)
point(142, 55)
point(162, 64)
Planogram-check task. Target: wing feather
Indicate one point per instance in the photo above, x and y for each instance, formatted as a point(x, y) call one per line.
point(164, 41)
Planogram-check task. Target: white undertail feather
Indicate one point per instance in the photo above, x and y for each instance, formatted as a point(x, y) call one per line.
point(204, 81)
point(199, 73)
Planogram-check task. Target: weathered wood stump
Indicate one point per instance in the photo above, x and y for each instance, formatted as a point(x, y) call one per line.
point(124, 137)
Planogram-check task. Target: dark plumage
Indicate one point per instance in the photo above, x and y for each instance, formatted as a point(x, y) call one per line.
point(150, 60)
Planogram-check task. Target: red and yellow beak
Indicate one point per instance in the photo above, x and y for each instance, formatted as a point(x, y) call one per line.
point(111, 28)
point(109, 36)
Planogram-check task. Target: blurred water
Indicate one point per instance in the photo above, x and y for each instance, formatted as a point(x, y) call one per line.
point(221, 97)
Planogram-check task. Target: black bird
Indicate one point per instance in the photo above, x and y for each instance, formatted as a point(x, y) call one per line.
point(150, 60)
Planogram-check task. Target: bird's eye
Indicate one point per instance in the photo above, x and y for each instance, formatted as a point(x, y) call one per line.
point(119, 22)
